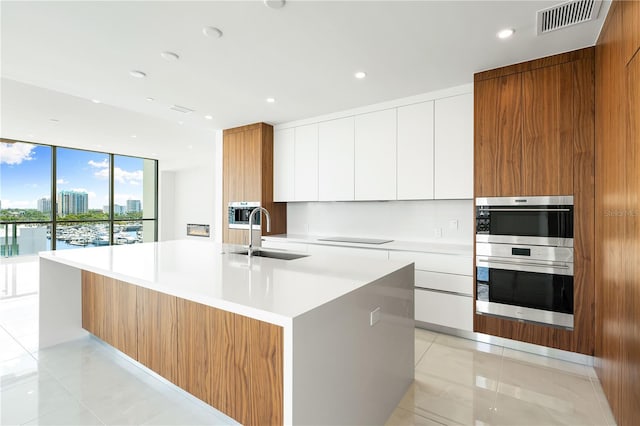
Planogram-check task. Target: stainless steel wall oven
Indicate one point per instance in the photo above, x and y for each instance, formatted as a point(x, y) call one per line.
point(524, 259)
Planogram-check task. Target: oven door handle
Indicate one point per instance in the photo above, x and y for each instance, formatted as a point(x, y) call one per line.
point(550, 267)
point(525, 210)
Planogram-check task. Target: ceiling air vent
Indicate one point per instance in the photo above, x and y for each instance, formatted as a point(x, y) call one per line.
point(181, 109)
point(567, 14)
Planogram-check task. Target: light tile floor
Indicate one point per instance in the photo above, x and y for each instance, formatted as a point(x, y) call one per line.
point(457, 381)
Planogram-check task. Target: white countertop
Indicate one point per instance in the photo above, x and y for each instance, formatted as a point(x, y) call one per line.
point(419, 246)
point(270, 290)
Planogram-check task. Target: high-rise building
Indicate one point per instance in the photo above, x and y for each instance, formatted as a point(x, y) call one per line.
point(117, 209)
point(44, 205)
point(133, 206)
point(72, 202)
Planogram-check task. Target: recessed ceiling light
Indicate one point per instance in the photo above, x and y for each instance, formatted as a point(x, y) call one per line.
point(212, 32)
point(95, 101)
point(169, 56)
point(134, 136)
point(271, 100)
point(209, 117)
point(150, 99)
point(506, 33)
point(137, 74)
point(274, 4)
point(181, 122)
point(190, 146)
point(360, 74)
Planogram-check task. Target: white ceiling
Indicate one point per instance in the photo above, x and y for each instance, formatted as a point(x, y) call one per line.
point(304, 55)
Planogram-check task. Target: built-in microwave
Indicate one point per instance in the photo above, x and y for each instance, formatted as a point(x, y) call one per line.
point(239, 212)
point(525, 220)
point(527, 283)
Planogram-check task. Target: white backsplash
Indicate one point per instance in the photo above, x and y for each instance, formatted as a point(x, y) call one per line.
point(429, 220)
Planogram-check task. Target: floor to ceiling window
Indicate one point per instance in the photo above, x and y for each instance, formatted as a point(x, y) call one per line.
point(63, 198)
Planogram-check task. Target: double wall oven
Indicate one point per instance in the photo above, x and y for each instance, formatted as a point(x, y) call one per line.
point(524, 259)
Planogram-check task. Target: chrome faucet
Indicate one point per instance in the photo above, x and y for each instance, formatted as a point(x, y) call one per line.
point(253, 212)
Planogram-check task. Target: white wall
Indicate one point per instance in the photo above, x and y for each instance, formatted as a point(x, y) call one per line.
point(192, 195)
point(398, 220)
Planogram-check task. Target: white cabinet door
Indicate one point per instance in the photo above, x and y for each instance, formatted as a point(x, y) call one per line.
point(444, 309)
point(283, 165)
point(375, 155)
point(454, 147)
point(335, 160)
point(415, 151)
point(306, 163)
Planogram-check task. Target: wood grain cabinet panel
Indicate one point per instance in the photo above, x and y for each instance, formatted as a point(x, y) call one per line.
point(93, 304)
point(258, 352)
point(247, 175)
point(547, 142)
point(205, 354)
point(109, 311)
point(534, 136)
point(630, 363)
point(631, 22)
point(157, 332)
point(498, 136)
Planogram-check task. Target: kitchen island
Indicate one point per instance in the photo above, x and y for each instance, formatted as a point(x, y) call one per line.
point(315, 340)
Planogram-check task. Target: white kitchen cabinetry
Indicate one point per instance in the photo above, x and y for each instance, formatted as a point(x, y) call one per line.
point(335, 160)
point(415, 151)
point(283, 164)
point(444, 309)
point(375, 155)
point(444, 288)
point(305, 163)
point(454, 147)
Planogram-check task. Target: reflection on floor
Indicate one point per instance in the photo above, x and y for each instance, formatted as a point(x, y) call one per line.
point(457, 381)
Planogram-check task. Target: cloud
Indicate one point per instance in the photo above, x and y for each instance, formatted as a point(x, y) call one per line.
point(119, 175)
point(104, 164)
point(62, 181)
point(122, 176)
point(15, 153)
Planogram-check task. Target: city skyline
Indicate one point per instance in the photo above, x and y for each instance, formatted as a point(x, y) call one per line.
point(25, 175)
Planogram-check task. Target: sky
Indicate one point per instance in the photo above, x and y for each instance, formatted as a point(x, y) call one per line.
point(25, 175)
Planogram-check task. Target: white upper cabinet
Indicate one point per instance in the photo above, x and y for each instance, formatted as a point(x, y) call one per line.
point(283, 164)
point(306, 163)
point(454, 147)
point(335, 160)
point(375, 155)
point(415, 151)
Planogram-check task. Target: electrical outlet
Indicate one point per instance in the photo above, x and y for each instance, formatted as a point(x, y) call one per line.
point(437, 232)
point(453, 224)
point(374, 316)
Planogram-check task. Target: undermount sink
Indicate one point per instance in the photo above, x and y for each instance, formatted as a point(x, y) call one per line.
point(273, 254)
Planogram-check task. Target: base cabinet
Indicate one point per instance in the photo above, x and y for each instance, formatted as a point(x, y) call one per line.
point(157, 332)
point(445, 309)
point(229, 361)
point(110, 311)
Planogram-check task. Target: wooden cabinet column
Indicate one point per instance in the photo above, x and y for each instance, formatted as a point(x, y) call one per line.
point(247, 175)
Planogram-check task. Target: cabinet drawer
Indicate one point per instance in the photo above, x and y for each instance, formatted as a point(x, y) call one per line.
point(348, 251)
point(444, 309)
point(445, 282)
point(284, 246)
point(436, 262)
